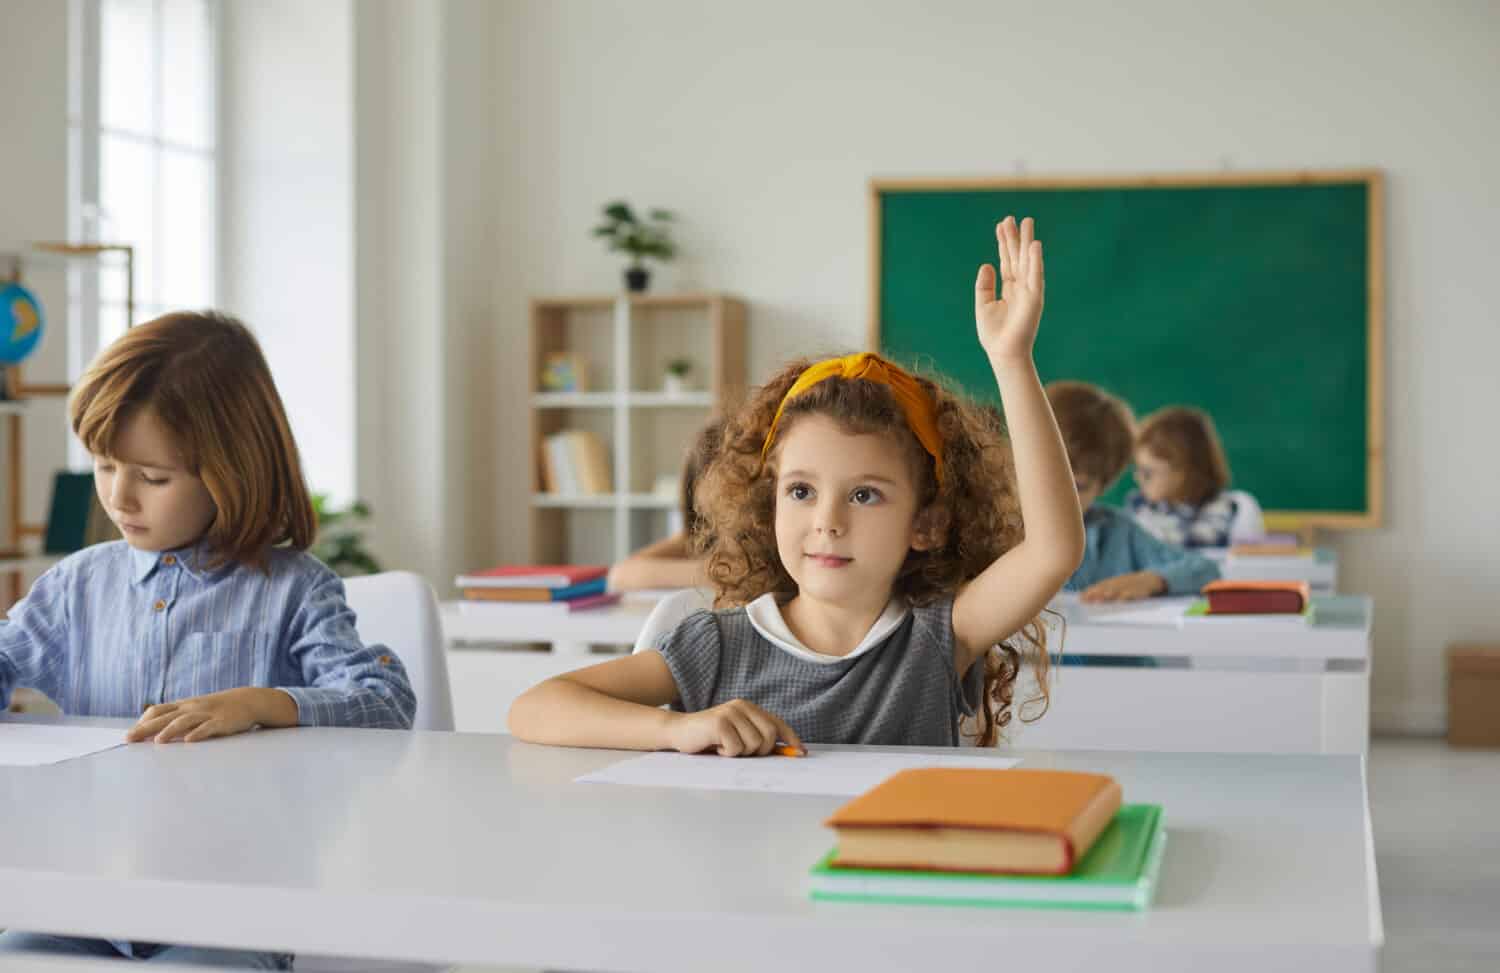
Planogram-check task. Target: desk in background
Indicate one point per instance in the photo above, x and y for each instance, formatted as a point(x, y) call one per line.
point(490, 661)
point(1246, 685)
point(1319, 567)
point(475, 848)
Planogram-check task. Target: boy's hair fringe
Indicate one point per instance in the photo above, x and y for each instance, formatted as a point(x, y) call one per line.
point(1098, 429)
point(976, 509)
point(203, 376)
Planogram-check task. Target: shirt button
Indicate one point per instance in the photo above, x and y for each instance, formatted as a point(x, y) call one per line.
point(169, 560)
point(159, 606)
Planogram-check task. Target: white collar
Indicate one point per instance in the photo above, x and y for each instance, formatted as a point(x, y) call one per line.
point(765, 615)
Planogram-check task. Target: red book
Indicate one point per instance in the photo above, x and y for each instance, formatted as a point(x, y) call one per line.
point(1257, 597)
point(532, 576)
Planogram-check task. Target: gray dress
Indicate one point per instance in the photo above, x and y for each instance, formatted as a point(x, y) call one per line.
point(902, 691)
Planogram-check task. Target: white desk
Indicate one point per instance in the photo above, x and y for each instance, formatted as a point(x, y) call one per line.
point(1245, 686)
point(569, 633)
point(486, 680)
point(471, 848)
point(1319, 567)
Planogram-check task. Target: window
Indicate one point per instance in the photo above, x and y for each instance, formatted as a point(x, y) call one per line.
point(143, 159)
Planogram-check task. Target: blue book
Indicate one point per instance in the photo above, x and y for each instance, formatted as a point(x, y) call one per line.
point(580, 590)
point(569, 592)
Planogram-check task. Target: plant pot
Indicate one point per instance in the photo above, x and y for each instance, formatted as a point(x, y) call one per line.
point(674, 384)
point(637, 279)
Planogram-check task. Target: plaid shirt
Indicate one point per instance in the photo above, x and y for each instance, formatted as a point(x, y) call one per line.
point(1205, 525)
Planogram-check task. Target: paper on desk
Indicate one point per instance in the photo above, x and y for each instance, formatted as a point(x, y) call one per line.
point(34, 744)
point(1152, 612)
point(837, 772)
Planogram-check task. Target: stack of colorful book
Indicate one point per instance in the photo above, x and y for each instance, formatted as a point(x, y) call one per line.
point(1016, 838)
point(560, 587)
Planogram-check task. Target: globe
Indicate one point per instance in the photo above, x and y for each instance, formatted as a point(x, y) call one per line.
point(20, 324)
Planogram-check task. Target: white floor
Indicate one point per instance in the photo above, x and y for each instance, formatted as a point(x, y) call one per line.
point(1436, 814)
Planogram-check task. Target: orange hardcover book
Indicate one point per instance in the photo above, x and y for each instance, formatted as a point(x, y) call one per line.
point(1227, 597)
point(970, 819)
point(508, 594)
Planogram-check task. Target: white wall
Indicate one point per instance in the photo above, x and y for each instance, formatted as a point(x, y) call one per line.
point(287, 214)
point(33, 206)
point(358, 241)
point(424, 251)
point(763, 123)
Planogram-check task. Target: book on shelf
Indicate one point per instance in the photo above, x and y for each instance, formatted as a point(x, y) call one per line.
point(532, 576)
point(1246, 597)
point(583, 589)
point(976, 820)
point(479, 607)
point(1120, 871)
point(575, 462)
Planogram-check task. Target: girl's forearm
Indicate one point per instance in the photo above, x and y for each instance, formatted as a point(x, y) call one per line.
point(1044, 480)
point(566, 713)
point(636, 573)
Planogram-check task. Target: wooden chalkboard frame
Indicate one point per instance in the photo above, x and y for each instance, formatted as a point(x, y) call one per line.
point(1373, 180)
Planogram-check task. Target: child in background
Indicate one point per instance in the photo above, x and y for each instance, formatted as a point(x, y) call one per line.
point(678, 560)
point(209, 618)
point(1123, 561)
point(1184, 478)
point(675, 561)
point(865, 543)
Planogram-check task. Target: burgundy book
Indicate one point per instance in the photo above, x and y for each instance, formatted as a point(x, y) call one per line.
point(1257, 597)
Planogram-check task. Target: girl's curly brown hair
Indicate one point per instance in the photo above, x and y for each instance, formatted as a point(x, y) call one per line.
point(976, 504)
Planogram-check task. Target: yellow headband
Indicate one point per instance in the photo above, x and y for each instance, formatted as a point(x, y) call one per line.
point(915, 403)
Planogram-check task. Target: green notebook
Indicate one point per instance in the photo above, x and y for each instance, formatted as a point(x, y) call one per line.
point(1198, 612)
point(1119, 872)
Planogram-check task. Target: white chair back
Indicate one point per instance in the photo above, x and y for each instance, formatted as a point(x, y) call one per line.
point(399, 610)
point(1249, 523)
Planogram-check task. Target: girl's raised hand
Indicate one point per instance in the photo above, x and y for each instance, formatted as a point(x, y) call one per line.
point(1007, 327)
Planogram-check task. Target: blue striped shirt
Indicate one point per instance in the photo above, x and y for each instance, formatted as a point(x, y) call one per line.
point(111, 630)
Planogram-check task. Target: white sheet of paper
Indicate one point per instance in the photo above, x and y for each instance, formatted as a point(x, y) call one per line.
point(1152, 612)
point(837, 772)
point(34, 744)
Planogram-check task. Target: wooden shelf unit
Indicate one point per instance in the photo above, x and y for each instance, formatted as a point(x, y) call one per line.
point(625, 340)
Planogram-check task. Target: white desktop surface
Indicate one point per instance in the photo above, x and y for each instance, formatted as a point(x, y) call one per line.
point(616, 624)
point(481, 849)
point(1339, 632)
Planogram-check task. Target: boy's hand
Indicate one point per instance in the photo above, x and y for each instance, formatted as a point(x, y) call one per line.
point(215, 715)
point(1126, 587)
point(734, 729)
point(1007, 327)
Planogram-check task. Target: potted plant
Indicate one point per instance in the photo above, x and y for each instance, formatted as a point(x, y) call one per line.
point(640, 239)
point(340, 543)
point(674, 379)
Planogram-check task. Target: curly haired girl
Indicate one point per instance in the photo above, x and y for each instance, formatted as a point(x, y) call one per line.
point(867, 550)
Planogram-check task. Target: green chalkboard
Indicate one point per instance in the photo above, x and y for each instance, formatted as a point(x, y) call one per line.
point(1254, 298)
